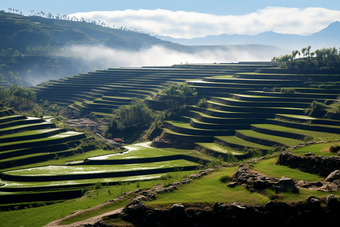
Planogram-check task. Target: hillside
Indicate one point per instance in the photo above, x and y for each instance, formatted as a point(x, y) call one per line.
point(19, 32)
point(36, 49)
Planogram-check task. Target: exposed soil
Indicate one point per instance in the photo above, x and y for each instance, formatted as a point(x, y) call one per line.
point(90, 221)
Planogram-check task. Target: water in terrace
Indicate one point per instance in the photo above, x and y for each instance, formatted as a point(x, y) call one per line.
point(134, 147)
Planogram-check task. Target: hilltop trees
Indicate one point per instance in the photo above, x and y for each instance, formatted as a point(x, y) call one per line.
point(19, 98)
point(325, 58)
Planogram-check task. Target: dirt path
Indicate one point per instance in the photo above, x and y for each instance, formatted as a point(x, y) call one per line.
point(92, 220)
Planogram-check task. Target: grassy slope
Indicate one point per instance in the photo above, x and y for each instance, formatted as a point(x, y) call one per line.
point(317, 135)
point(268, 168)
point(318, 149)
point(287, 141)
point(209, 190)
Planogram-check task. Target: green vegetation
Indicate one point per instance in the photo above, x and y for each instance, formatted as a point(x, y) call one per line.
point(89, 169)
point(322, 149)
point(316, 109)
point(19, 98)
point(207, 191)
point(325, 58)
point(130, 104)
point(268, 168)
point(41, 216)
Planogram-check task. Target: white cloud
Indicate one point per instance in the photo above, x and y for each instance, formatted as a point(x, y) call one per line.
point(103, 57)
point(180, 24)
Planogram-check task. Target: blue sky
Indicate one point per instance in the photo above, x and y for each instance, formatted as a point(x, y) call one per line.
point(190, 19)
point(215, 7)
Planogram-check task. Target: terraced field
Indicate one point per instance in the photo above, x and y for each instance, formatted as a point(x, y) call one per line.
point(36, 155)
point(240, 100)
point(247, 115)
point(249, 110)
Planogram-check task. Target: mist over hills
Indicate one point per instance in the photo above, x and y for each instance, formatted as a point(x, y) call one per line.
point(35, 49)
point(327, 37)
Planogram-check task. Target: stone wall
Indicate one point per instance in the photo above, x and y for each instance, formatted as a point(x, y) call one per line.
point(313, 212)
point(320, 165)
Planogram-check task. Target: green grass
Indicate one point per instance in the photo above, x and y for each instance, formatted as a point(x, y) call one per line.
point(90, 169)
point(25, 125)
point(219, 148)
point(318, 149)
point(268, 168)
point(284, 140)
point(226, 76)
point(317, 135)
point(69, 134)
point(63, 160)
point(304, 117)
point(31, 132)
point(302, 195)
point(89, 214)
point(208, 190)
point(238, 141)
point(47, 184)
point(40, 216)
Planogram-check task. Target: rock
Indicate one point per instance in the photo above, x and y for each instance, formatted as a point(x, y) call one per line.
point(286, 184)
point(232, 185)
point(328, 187)
point(310, 164)
point(238, 206)
point(317, 184)
point(335, 175)
point(334, 148)
point(141, 197)
point(177, 210)
point(135, 207)
point(313, 201)
point(331, 200)
point(309, 154)
point(219, 207)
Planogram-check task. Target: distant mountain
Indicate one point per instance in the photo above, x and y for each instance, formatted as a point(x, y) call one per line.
point(19, 31)
point(327, 37)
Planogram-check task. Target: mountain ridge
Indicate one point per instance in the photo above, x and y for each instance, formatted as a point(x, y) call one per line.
point(324, 38)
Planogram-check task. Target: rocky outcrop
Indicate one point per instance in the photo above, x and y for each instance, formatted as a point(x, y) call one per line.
point(314, 211)
point(257, 182)
point(320, 165)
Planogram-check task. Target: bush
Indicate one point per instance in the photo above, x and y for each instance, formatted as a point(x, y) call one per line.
point(225, 178)
point(317, 109)
point(98, 185)
point(203, 103)
point(255, 152)
point(287, 90)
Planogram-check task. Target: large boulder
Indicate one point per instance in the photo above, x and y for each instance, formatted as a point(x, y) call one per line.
point(335, 175)
point(286, 184)
point(135, 208)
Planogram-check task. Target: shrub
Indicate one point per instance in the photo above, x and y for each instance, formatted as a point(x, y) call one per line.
point(225, 178)
point(215, 162)
point(203, 103)
point(255, 152)
point(287, 90)
point(316, 109)
point(275, 148)
point(98, 185)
